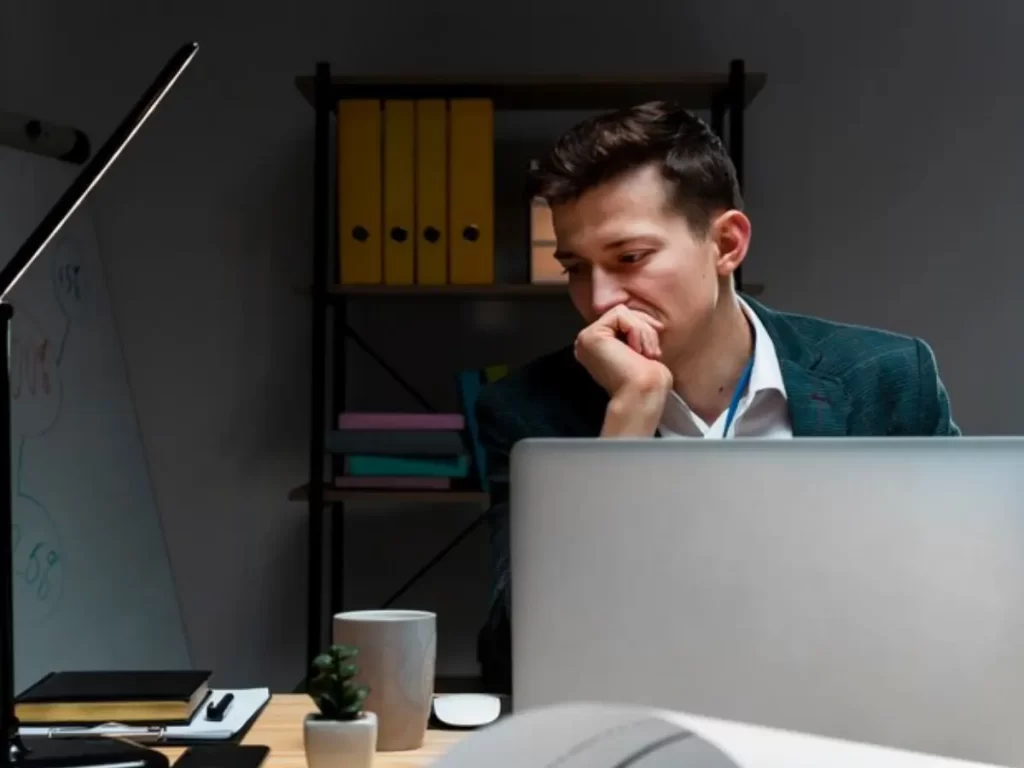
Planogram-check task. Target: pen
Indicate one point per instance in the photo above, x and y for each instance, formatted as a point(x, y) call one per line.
point(216, 711)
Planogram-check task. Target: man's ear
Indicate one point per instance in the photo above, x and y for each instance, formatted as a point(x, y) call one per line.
point(731, 233)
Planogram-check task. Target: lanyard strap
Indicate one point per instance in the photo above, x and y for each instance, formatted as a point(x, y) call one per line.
point(741, 387)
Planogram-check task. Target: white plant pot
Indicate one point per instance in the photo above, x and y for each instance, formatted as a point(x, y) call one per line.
point(340, 743)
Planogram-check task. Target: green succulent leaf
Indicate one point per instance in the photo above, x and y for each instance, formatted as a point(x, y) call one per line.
point(332, 684)
point(344, 652)
point(323, 662)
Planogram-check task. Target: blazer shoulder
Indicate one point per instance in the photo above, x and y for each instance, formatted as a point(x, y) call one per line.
point(820, 329)
point(883, 371)
point(848, 349)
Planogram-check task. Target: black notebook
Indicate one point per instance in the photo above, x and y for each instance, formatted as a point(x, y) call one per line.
point(152, 697)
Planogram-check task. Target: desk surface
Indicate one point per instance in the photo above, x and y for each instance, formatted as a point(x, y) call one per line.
point(280, 728)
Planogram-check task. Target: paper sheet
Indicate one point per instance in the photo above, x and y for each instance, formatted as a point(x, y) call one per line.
point(599, 735)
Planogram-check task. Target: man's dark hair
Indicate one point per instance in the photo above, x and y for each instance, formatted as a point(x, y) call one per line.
point(692, 158)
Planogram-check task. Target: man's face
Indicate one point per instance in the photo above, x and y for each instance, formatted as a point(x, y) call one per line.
point(624, 243)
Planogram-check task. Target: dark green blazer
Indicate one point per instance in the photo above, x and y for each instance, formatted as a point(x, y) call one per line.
point(840, 380)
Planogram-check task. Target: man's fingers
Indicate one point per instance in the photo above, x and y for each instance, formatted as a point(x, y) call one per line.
point(622, 322)
point(656, 324)
point(623, 311)
point(635, 339)
point(640, 330)
point(653, 343)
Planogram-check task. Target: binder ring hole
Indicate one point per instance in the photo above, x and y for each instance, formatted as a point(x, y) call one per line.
point(431, 234)
point(471, 233)
point(361, 234)
point(399, 234)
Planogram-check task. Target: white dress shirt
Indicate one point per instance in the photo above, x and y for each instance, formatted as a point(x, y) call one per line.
point(762, 410)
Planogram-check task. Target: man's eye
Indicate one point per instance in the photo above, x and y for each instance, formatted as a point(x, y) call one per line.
point(630, 258)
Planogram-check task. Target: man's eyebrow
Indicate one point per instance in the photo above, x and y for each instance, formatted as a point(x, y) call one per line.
point(622, 241)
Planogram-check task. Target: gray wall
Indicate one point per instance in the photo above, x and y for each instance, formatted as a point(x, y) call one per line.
point(884, 179)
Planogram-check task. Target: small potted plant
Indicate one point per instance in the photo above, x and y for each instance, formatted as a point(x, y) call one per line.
point(340, 734)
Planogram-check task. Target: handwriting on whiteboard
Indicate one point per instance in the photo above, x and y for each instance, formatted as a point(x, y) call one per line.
point(36, 388)
point(36, 395)
point(66, 279)
point(28, 368)
point(36, 392)
point(38, 565)
point(71, 286)
point(34, 564)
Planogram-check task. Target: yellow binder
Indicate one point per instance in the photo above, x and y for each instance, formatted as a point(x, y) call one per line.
point(544, 268)
point(471, 191)
point(359, 190)
point(399, 192)
point(431, 192)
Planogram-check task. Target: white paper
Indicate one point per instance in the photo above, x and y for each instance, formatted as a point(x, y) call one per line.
point(753, 746)
point(595, 735)
point(246, 703)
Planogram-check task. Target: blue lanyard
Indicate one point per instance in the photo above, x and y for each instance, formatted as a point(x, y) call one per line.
point(741, 387)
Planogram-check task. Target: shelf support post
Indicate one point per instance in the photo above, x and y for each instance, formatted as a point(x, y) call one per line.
point(314, 629)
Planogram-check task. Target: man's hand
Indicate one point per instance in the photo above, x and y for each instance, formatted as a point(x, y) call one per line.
point(622, 352)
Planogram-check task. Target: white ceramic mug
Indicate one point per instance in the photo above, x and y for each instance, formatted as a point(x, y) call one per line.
point(397, 657)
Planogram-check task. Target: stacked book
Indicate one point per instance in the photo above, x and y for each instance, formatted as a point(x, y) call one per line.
point(92, 707)
point(421, 451)
point(151, 697)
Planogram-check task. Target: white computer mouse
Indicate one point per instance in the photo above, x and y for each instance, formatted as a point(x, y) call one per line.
point(467, 710)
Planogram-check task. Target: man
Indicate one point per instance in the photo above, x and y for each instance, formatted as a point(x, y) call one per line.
point(650, 229)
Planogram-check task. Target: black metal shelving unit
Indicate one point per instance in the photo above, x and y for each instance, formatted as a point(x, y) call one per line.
point(724, 95)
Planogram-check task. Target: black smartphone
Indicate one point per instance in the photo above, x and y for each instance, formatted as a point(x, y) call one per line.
point(223, 756)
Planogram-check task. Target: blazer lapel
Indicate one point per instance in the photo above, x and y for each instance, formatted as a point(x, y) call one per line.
point(819, 405)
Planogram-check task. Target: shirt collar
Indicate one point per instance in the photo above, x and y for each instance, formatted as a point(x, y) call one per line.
point(766, 373)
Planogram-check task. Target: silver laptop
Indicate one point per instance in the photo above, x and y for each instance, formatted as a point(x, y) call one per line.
point(870, 589)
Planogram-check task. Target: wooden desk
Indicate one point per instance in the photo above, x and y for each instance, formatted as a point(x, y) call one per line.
point(280, 728)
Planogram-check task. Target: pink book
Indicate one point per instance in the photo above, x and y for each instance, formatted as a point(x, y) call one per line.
point(356, 420)
point(418, 483)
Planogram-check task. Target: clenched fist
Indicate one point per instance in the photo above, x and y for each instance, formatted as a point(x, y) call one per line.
point(622, 353)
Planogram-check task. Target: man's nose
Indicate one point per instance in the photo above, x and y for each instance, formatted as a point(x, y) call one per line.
point(606, 291)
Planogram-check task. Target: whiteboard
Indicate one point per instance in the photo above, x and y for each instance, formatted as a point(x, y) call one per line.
point(93, 584)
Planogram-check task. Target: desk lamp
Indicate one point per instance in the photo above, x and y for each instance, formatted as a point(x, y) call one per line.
point(41, 751)
point(43, 138)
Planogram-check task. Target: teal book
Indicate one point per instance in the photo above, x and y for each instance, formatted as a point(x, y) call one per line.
point(470, 385)
point(398, 466)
